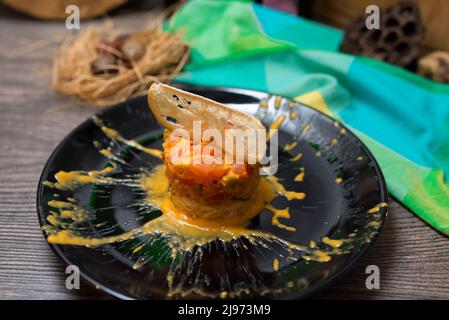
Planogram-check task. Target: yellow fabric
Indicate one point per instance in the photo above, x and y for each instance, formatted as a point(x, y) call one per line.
point(315, 100)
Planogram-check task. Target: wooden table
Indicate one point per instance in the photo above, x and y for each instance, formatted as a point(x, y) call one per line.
point(412, 257)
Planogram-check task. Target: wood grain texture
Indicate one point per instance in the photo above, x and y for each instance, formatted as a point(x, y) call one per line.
point(413, 258)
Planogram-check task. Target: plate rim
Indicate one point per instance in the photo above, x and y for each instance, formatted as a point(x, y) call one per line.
point(303, 294)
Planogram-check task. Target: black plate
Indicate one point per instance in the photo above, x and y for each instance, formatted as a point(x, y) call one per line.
point(336, 210)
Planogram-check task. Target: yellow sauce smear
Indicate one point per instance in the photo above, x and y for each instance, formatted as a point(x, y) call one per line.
point(263, 104)
point(300, 176)
point(280, 213)
point(293, 115)
point(221, 228)
point(306, 129)
point(277, 102)
point(108, 154)
point(199, 231)
point(332, 242)
point(182, 231)
point(374, 224)
point(115, 135)
point(377, 208)
point(275, 264)
point(297, 157)
point(318, 255)
point(290, 146)
point(275, 126)
point(186, 232)
point(68, 180)
point(68, 210)
point(290, 195)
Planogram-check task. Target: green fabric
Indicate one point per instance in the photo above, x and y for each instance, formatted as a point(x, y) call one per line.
point(403, 118)
point(228, 42)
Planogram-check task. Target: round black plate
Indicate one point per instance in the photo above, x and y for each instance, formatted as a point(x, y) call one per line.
point(331, 208)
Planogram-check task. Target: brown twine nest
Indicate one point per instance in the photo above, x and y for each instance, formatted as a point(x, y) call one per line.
point(165, 56)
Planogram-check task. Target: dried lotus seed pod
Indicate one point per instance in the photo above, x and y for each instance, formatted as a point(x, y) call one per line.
point(435, 66)
point(398, 41)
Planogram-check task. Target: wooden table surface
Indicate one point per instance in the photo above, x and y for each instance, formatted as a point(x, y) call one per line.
point(412, 257)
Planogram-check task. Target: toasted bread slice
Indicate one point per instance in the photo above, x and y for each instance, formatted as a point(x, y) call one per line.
point(175, 108)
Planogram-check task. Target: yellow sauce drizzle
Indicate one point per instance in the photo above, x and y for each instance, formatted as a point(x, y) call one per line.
point(184, 232)
point(293, 115)
point(290, 195)
point(275, 125)
point(375, 224)
point(264, 104)
point(275, 264)
point(68, 210)
point(137, 249)
point(280, 213)
point(296, 158)
point(115, 135)
point(317, 255)
point(277, 102)
point(306, 129)
point(300, 176)
point(377, 208)
point(108, 154)
point(332, 242)
point(69, 180)
point(290, 146)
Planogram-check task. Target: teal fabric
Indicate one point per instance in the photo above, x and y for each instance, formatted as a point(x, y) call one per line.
point(412, 121)
point(301, 33)
point(403, 118)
